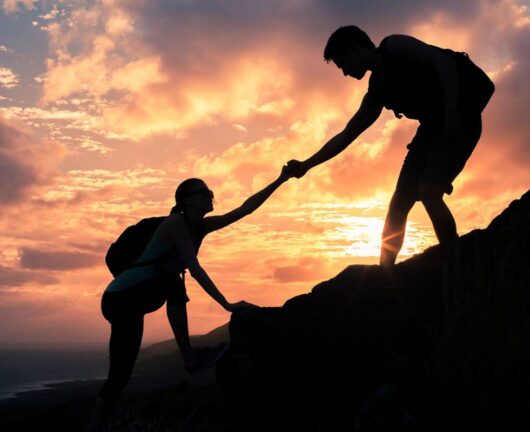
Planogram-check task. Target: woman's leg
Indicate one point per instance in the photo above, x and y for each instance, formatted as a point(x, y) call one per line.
point(196, 360)
point(124, 345)
point(178, 318)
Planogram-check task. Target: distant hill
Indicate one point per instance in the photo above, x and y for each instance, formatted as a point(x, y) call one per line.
point(158, 398)
point(214, 337)
point(162, 360)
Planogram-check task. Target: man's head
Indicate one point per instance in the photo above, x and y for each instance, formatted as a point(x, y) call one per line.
point(348, 47)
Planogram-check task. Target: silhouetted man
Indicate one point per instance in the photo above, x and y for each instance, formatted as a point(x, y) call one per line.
point(440, 88)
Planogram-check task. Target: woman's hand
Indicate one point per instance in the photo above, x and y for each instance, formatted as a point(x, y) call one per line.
point(295, 168)
point(241, 305)
point(286, 174)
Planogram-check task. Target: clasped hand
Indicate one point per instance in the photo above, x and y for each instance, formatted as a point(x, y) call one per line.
point(294, 168)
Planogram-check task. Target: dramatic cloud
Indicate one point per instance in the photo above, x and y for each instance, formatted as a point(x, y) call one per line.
point(57, 260)
point(305, 269)
point(8, 79)
point(34, 113)
point(25, 161)
point(91, 145)
point(368, 166)
point(161, 92)
point(13, 6)
point(11, 278)
point(218, 65)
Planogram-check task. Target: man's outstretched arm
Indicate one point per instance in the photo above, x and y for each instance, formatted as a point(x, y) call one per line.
point(367, 114)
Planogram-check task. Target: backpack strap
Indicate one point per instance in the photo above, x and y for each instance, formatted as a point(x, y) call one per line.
point(163, 256)
point(147, 262)
point(183, 272)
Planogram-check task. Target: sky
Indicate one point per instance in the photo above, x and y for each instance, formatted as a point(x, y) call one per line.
point(105, 106)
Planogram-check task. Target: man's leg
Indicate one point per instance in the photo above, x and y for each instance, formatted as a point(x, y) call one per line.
point(431, 196)
point(445, 162)
point(405, 195)
point(394, 229)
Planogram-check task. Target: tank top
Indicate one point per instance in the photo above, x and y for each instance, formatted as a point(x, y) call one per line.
point(156, 249)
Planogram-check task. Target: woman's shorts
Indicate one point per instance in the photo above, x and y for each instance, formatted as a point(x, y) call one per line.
point(431, 160)
point(144, 297)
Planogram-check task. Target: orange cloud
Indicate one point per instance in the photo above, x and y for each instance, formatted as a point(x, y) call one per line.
point(8, 78)
point(12, 278)
point(182, 102)
point(13, 6)
point(305, 269)
point(26, 161)
point(56, 260)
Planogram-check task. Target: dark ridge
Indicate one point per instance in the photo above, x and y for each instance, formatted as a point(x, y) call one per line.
point(444, 343)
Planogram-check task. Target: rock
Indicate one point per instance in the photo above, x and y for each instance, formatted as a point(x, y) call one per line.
point(449, 330)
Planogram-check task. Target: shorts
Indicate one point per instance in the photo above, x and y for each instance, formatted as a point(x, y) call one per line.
point(430, 160)
point(144, 297)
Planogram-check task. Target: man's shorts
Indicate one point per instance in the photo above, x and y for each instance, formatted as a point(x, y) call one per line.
point(431, 160)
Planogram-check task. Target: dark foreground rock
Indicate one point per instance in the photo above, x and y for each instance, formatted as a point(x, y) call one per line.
point(441, 344)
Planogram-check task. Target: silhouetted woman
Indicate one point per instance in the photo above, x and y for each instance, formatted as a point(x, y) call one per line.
point(144, 289)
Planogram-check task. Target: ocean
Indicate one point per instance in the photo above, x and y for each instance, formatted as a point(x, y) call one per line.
point(27, 369)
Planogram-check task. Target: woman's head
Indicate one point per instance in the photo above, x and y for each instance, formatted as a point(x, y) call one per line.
point(193, 194)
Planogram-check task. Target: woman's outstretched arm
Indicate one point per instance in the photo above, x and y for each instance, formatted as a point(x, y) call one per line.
point(182, 240)
point(200, 275)
point(214, 223)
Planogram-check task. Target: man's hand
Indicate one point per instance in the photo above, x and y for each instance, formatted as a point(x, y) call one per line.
point(285, 174)
point(296, 168)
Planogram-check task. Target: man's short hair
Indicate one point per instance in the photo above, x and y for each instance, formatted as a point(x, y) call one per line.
point(344, 39)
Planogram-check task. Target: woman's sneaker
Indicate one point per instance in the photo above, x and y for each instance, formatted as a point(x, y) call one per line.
point(204, 358)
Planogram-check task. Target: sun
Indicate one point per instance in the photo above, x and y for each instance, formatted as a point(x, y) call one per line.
point(361, 236)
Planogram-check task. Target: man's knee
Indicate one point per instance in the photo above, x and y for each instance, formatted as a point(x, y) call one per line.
point(400, 205)
point(430, 193)
point(398, 210)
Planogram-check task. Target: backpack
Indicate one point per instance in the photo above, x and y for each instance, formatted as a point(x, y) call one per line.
point(475, 87)
point(123, 253)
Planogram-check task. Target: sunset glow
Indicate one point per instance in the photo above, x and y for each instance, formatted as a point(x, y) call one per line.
point(107, 105)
